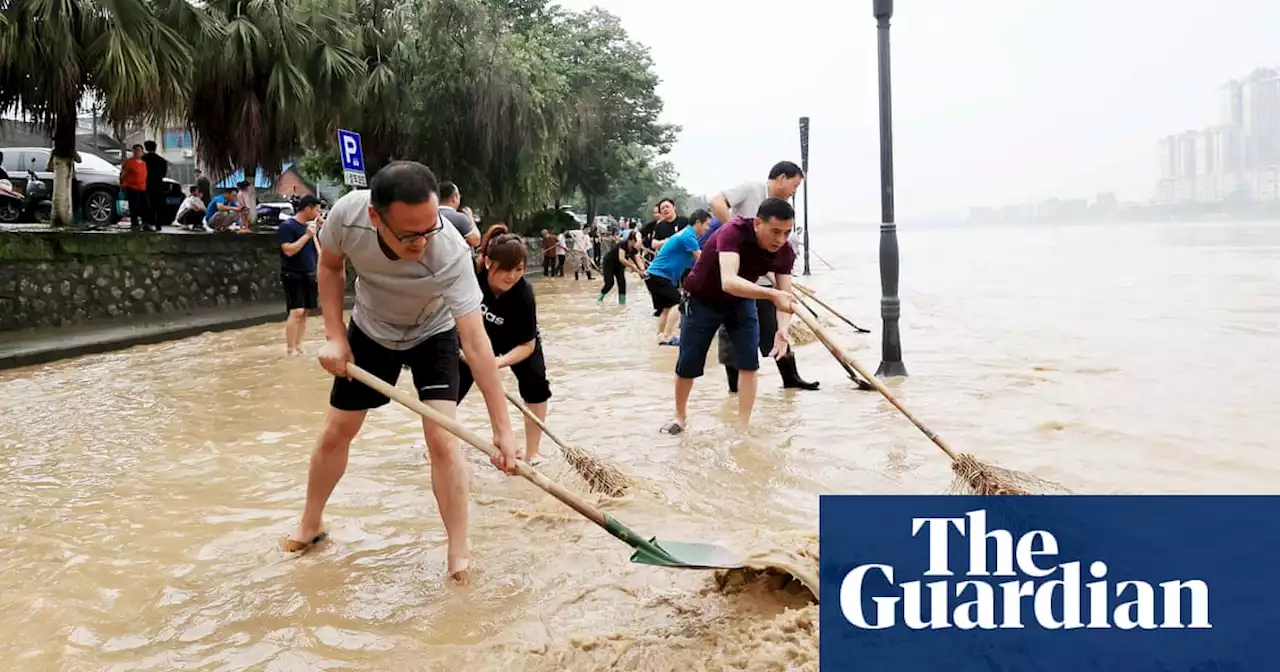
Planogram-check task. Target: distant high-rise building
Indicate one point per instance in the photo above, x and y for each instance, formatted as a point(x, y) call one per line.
point(1231, 104)
point(1260, 118)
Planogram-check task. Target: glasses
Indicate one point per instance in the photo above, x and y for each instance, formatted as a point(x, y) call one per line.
point(410, 237)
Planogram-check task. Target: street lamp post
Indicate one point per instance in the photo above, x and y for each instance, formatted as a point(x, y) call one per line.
point(804, 166)
point(890, 307)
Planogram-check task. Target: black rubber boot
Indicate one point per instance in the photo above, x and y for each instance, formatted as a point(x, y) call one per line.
point(732, 374)
point(790, 377)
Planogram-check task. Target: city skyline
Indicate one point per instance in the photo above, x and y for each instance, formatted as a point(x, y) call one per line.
point(1236, 159)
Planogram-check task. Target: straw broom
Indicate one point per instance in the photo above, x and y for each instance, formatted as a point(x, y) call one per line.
point(600, 476)
point(971, 475)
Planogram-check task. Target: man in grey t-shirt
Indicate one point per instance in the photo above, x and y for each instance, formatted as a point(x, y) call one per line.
point(450, 199)
point(743, 201)
point(417, 301)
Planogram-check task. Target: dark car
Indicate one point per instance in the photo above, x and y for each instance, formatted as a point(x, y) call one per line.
point(95, 188)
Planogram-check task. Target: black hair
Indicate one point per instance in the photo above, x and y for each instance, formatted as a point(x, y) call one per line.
point(136, 146)
point(667, 200)
point(785, 169)
point(775, 208)
point(447, 190)
point(699, 215)
point(306, 202)
point(507, 251)
point(407, 182)
point(149, 145)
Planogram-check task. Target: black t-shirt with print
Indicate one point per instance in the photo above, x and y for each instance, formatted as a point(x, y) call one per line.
point(510, 319)
point(611, 259)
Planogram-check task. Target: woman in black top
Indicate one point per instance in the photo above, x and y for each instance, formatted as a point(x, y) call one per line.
point(620, 258)
point(511, 321)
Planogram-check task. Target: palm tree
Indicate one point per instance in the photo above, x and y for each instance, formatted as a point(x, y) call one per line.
point(272, 81)
point(128, 54)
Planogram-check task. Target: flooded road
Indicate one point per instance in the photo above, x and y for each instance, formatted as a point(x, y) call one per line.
point(142, 493)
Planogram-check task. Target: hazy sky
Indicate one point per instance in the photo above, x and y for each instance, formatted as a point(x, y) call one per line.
point(995, 101)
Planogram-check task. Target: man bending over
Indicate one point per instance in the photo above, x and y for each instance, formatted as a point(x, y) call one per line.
point(417, 299)
point(722, 291)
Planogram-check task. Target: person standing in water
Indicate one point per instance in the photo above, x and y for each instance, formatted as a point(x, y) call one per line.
point(624, 255)
point(675, 257)
point(417, 300)
point(743, 201)
point(298, 256)
point(722, 292)
point(511, 320)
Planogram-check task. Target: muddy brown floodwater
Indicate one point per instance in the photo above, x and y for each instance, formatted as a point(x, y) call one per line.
point(143, 491)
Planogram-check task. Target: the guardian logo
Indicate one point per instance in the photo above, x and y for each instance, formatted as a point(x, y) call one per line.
point(1050, 593)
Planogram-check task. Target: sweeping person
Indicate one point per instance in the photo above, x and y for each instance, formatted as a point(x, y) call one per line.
point(511, 321)
point(625, 254)
point(743, 201)
point(722, 292)
point(674, 258)
point(417, 302)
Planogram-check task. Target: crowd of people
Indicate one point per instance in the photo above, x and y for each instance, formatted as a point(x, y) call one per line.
point(454, 308)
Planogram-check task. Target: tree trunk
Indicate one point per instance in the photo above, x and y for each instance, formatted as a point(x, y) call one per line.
point(251, 175)
point(64, 148)
point(592, 201)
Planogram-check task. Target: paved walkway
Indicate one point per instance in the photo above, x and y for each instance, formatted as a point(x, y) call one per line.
point(39, 346)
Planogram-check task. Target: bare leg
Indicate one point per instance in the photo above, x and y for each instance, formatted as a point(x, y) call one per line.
point(668, 323)
point(533, 433)
point(663, 336)
point(683, 387)
point(450, 483)
point(328, 463)
point(293, 329)
point(301, 329)
point(746, 398)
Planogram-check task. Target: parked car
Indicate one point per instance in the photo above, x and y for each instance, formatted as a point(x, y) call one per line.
point(95, 187)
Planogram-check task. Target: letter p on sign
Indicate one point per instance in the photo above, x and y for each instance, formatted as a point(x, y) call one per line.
point(352, 156)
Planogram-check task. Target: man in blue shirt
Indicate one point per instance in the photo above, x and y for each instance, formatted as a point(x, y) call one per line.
point(298, 255)
point(673, 261)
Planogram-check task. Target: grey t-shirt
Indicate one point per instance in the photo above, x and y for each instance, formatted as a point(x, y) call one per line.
point(745, 199)
point(459, 220)
point(400, 304)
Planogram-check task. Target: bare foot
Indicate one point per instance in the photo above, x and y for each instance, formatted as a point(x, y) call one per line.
point(458, 569)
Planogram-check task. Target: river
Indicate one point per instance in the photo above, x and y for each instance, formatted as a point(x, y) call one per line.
point(144, 491)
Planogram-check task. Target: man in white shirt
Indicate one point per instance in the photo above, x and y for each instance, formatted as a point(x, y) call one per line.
point(191, 213)
point(580, 252)
point(743, 201)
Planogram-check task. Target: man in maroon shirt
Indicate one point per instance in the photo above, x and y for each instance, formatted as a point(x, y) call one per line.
point(722, 290)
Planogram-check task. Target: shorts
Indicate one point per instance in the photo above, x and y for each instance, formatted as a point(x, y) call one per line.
point(665, 294)
point(433, 363)
point(701, 322)
point(531, 376)
point(300, 291)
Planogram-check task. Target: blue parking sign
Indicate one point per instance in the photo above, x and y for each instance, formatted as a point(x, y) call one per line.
point(352, 156)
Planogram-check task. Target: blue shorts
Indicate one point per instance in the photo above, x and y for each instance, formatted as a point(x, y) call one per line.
point(698, 328)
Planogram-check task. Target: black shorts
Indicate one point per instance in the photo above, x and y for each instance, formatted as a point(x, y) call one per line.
point(433, 363)
point(299, 291)
point(665, 295)
point(531, 376)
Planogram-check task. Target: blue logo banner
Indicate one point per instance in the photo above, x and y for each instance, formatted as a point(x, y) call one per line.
point(1050, 583)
